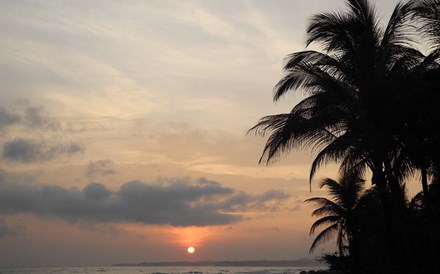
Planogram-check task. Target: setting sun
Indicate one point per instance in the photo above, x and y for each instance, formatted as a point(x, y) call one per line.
point(191, 250)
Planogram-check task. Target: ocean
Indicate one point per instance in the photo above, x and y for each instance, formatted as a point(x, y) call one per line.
point(157, 270)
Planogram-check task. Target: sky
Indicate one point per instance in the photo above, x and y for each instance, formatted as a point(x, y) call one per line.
point(123, 131)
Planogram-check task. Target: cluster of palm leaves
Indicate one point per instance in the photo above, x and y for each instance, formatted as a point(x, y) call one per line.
point(372, 104)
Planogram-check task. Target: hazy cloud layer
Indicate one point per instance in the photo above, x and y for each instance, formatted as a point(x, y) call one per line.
point(28, 150)
point(179, 202)
point(100, 167)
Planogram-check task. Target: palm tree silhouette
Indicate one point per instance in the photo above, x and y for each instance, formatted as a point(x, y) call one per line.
point(352, 93)
point(339, 216)
point(425, 144)
point(346, 114)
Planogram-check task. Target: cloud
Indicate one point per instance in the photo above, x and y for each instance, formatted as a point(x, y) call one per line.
point(178, 202)
point(28, 151)
point(34, 117)
point(8, 119)
point(268, 201)
point(31, 117)
point(100, 167)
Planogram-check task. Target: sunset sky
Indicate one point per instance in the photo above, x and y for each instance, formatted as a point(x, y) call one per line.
point(123, 131)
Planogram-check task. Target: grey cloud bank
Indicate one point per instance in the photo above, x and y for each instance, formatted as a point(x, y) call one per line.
point(28, 150)
point(179, 202)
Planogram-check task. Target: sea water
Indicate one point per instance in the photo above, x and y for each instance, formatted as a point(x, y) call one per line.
point(157, 270)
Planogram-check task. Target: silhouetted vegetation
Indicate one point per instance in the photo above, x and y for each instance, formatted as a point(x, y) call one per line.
point(336, 262)
point(340, 215)
point(371, 104)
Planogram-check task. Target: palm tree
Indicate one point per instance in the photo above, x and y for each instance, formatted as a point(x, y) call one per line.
point(348, 114)
point(421, 135)
point(339, 216)
point(423, 150)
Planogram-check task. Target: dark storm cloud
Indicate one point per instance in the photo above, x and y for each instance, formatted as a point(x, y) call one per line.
point(28, 151)
point(180, 202)
point(100, 167)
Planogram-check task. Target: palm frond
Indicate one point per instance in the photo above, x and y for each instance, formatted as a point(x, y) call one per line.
point(326, 210)
point(398, 30)
point(334, 151)
point(329, 30)
point(311, 76)
point(427, 15)
point(324, 236)
point(327, 220)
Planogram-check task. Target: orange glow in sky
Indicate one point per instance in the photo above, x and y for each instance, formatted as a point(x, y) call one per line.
point(192, 236)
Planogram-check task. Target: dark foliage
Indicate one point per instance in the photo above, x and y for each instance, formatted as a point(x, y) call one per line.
point(335, 262)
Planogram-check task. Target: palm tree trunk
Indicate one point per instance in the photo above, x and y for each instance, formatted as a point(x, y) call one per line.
point(433, 239)
point(393, 224)
point(398, 207)
point(379, 180)
point(353, 247)
point(399, 225)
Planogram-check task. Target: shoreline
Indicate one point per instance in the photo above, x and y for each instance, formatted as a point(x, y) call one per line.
point(248, 263)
